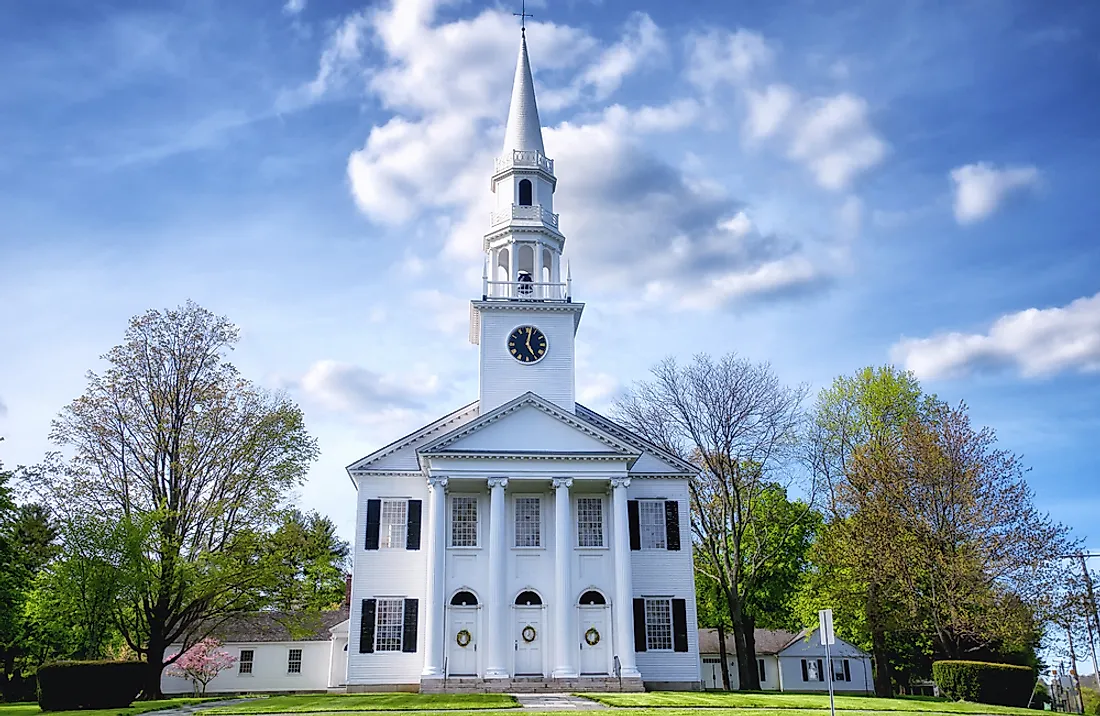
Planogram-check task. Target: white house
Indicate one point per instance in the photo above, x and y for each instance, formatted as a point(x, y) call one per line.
point(523, 540)
point(789, 662)
point(276, 652)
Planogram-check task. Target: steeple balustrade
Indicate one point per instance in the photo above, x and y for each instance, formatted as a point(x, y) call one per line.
point(525, 158)
point(525, 291)
point(518, 211)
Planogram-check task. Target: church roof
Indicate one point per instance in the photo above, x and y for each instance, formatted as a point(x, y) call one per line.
point(523, 131)
point(400, 455)
point(661, 461)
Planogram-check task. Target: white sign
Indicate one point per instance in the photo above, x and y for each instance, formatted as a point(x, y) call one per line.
point(825, 627)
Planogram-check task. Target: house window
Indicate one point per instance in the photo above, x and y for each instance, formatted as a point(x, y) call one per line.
point(464, 522)
point(841, 671)
point(590, 522)
point(294, 661)
point(763, 672)
point(528, 522)
point(812, 670)
point(651, 520)
point(244, 664)
point(658, 624)
point(395, 524)
point(389, 624)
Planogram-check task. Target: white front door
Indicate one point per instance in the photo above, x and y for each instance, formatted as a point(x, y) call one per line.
point(594, 656)
point(712, 672)
point(462, 641)
point(529, 640)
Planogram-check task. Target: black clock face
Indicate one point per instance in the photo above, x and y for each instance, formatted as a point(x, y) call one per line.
point(527, 344)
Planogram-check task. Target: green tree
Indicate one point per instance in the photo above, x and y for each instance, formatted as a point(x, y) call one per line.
point(742, 427)
point(194, 461)
point(312, 562)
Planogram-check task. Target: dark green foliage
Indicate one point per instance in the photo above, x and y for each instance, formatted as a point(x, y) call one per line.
point(66, 685)
point(985, 683)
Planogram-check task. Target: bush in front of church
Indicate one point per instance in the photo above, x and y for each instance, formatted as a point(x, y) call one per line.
point(70, 685)
point(985, 683)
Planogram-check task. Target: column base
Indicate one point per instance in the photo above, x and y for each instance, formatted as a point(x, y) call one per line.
point(497, 674)
point(564, 673)
point(431, 672)
point(628, 673)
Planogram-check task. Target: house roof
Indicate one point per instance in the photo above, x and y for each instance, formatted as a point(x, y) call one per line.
point(768, 641)
point(278, 626)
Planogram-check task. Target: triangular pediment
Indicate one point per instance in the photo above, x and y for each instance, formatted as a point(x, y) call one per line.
point(532, 426)
point(400, 455)
point(653, 460)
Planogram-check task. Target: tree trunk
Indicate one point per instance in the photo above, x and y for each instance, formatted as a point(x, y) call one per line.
point(879, 651)
point(746, 657)
point(155, 655)
point(750, 648)
point(723, 657)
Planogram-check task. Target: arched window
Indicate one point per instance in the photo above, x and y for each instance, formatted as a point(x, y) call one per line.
point(592, 597)
point(528, 599)
point(464, 599)
point(525, 192)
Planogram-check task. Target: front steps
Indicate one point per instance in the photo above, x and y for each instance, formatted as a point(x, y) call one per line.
point(528, 685)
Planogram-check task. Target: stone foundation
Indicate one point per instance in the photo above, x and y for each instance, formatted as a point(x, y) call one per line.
point(528, 685)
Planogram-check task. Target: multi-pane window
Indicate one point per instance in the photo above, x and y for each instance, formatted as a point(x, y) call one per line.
point(464, 522)
point(651, 520)
point(763, 671)
point(394, 530)
point(838, 669)
point(294, 661)
point(389, 623)
point(590, 522)
point(244, 664)
point(658, 624)
point(811, 670)
point(528, 522)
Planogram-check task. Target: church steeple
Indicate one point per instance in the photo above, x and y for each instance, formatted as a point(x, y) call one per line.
point(523, 130)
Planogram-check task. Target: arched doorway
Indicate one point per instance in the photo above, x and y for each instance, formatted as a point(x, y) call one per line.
point(528, 637)
point(595, 638)
point(462, 630)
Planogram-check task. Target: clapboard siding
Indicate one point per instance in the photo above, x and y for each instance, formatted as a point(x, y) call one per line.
point(504, 378)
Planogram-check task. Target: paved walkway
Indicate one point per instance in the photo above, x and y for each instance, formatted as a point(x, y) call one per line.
point(556, 702)
point(190, 709)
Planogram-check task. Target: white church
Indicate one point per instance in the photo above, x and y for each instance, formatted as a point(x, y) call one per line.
point(522, 541)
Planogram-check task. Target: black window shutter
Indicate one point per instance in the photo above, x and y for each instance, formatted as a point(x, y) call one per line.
point(639, 619)
point(679, 625)
point(763, 672)
point(408, 637)
point(805, 671)
point(820, 671)
point(847, 671)
point(672, 524)
point(374, 522)
point(366, 627)
point(635, 527)
point(412, 539)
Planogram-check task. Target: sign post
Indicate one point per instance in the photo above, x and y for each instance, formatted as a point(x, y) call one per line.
point(828, 639)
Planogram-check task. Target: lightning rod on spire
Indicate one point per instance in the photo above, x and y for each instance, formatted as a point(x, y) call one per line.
point(523, 15)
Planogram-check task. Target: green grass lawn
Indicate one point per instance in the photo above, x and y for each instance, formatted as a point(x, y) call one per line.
point(335, 703)
point(138, 707)
point(761, 701)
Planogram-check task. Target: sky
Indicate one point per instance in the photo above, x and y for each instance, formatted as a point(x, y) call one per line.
point(819, 185)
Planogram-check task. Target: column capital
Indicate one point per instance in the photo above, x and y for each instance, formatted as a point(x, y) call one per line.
point(559, 482)
point(436, 481)
point(495, 482)
point(617, 482)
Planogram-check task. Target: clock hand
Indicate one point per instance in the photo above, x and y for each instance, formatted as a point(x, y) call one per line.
point(529, 342)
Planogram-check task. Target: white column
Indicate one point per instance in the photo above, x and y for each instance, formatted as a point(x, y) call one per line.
point(564, 632)
point(436, 596)
point(497, 609)
point(538, 271)
point(624, 581)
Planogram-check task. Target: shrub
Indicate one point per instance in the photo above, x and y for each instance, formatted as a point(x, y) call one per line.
point(985, 683)
point(65, 685)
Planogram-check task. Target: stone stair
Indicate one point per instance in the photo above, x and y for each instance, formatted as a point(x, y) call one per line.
point(528, 685)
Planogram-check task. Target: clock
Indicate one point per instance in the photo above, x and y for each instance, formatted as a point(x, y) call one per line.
point(527, 344)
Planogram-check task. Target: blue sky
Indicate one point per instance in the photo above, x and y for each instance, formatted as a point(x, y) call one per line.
point(822, 185)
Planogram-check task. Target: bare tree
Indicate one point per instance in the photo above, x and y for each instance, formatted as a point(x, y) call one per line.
point(741, 426)
point(172, 443)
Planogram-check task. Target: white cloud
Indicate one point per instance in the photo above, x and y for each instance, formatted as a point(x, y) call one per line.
point(850, 218)
point(1035, 342)
point(449, 313)
point(350, 388)
point(767, 110)
point(721, 57)
point(981, 188)
point(3, 409)
point(294, 7)
point(833, 137)
point(642, 43)
point(594, 388)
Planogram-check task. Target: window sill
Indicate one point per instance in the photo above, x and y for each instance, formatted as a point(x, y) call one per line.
point(592, 549)
point(529, 549)
point(465, 548)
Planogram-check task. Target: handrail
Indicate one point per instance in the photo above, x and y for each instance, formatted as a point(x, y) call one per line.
point(525, 291)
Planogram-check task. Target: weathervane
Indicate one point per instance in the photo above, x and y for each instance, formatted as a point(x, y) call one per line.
point(523, 15)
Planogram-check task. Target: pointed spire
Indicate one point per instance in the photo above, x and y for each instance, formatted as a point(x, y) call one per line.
point(523, 131)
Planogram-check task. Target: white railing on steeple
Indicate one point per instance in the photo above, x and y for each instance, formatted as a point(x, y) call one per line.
point(525, 158)
point(517, 211)
point(525, 291)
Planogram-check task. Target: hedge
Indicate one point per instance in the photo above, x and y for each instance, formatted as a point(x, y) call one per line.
point(68, 685)
point(984, 683)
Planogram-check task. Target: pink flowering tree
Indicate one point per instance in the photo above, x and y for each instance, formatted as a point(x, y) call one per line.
point(201, 663)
